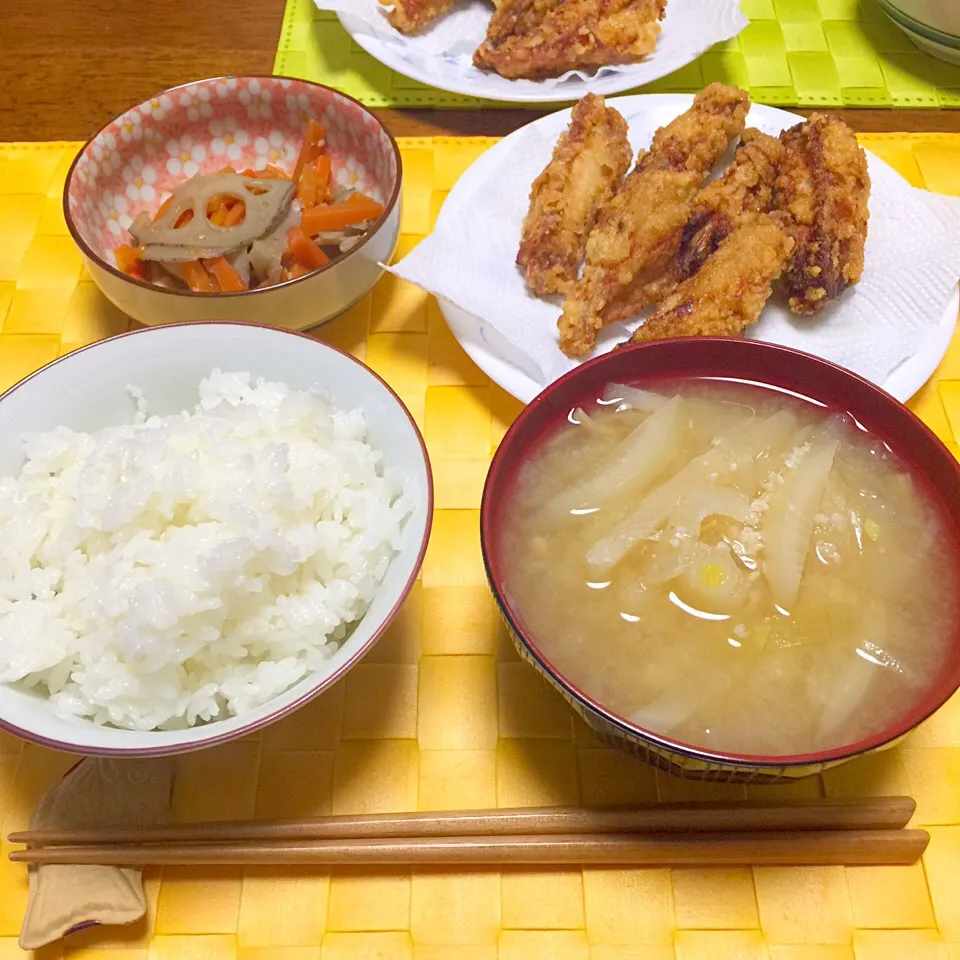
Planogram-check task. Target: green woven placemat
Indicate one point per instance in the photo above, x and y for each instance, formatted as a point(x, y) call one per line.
point(807, 53)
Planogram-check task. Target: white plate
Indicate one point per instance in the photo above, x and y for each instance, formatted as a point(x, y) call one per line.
point(492, 354)
point(677, 46)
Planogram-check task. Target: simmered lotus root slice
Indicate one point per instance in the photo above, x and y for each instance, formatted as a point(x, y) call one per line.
point(266, 202)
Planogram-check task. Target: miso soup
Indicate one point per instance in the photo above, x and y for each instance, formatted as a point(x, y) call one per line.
point(737, 568)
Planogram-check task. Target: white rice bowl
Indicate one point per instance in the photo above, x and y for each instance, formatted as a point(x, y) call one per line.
point(185, 568)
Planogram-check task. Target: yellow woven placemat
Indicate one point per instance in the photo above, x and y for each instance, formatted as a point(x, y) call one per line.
point(808, 53)
point(442, 714)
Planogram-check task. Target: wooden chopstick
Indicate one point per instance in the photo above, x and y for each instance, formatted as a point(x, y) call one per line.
point(780, 848)
point(878, 813)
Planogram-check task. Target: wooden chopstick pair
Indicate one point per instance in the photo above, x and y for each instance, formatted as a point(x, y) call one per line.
point(868, 831)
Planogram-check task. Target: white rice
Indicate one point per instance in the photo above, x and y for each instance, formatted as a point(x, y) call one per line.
point(185, 568)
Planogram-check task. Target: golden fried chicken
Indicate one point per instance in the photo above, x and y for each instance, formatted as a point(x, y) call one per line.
point(746, 187)
point(572, 35)
point(824, 186)
point(514, 18)
point(637, 234)
point(637, 230)
point(588, 163)
point(411, 16)
point(697, 138)
point(730, 290)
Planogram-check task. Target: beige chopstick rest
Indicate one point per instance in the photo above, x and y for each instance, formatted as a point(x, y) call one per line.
point(97, 792)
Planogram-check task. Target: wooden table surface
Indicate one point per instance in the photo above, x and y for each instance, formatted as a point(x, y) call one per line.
point(69, 66)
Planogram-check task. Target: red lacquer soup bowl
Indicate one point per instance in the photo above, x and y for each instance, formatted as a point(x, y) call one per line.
point(749, 361)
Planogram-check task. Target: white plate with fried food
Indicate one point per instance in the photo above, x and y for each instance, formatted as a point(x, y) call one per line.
point(785, 215)
point(537, 51)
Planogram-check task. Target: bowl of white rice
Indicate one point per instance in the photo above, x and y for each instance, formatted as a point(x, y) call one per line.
point(202, 527)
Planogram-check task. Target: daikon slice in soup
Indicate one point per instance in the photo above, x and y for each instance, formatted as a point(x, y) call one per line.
point(739, 569)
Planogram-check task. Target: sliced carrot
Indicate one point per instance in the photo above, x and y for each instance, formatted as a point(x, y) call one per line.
point(219, 216)
point(225, 274)
point(235, 214)
point(307, 187)
point(324, 185)
point(308, 154)
point(316, 132)
point(310, 150)
point(336, 216)
point(218, 206)
point(129, 260)
point(227, 170)
point(197, 278)
point(305, 250)
point(184, 217)
point(296, 269)
point(270, 172)
point(227, 212)
point(164, 207)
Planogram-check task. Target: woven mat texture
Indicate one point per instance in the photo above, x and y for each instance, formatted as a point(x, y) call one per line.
point(442, 715)
point(807, 53)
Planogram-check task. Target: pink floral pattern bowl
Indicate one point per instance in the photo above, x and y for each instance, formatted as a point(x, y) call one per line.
point(139, 158)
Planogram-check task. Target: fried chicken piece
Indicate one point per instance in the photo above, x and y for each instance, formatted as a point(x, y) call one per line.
point(647, 288)
point(588, 163)
point(411, 16)
point(515, 18)
point(697, 138)
point(746, 187)
point(637, 234)
point(636, 231)
point(573, 35)
point(824, 186)
point(730, 290)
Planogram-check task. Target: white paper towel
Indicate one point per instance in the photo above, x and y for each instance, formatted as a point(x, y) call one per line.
point(447, 46)
point(912, 267)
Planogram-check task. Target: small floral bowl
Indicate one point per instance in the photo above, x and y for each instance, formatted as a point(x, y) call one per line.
point(137, 160)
